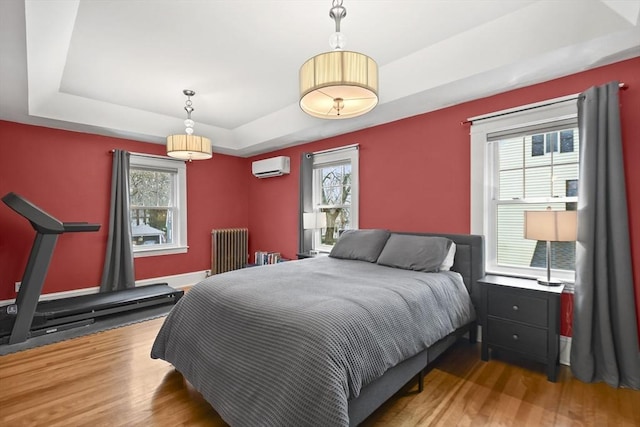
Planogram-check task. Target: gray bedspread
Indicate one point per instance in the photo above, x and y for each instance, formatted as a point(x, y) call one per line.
point(289, 344)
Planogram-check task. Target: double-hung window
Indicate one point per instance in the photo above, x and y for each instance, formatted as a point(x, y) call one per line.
point(524, 161)
point(158, 205)
point(335, 194)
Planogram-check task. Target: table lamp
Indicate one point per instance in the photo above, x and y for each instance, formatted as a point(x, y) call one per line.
point(551, 226)
point(314, 220)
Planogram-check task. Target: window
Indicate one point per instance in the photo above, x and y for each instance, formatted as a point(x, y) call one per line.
point(566, 141)
point(335, 193)
point(537, 145)
point(158, 205)
point(524, 161)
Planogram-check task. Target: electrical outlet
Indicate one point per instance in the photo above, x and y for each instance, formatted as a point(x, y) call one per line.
point(18, 286)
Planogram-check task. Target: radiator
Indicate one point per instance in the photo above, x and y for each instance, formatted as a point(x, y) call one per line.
point(229, 249)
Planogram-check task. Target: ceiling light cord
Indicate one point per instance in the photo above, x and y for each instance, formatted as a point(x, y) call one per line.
point(188, 107)
point(337, 40)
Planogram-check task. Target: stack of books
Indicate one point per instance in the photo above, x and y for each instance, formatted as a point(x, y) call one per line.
point(264, 258)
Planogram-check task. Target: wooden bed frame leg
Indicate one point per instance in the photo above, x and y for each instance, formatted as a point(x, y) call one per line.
point(421, 381)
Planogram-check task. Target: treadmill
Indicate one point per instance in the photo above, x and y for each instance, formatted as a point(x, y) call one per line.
point(28, 318)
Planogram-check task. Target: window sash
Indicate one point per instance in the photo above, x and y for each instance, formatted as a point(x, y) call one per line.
point(515, 177)
point(169, 235)
point(171, 199)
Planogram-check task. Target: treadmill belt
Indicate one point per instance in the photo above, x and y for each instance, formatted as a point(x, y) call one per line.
point(94, 302)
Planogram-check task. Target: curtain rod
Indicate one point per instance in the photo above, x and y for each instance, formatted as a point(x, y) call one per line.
point(554, 101)
point(153, 156)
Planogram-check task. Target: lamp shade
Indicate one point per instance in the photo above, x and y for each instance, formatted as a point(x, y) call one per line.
point(552, 226)
point(189, 147)
point(313, 220)
point(338, 85)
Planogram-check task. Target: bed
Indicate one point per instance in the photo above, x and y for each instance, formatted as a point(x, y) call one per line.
point(326, 340)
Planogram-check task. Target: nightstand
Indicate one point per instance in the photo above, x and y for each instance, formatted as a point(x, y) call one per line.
point(523, 317)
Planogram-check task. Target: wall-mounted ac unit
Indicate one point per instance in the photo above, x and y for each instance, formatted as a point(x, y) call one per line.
point(274, 166)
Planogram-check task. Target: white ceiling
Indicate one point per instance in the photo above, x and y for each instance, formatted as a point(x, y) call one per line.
point(118, 68)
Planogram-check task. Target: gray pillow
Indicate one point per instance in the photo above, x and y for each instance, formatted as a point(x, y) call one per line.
point(362, 245)
point(420, 253)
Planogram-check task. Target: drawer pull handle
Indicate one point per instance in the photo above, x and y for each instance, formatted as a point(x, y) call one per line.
point(515, 337)
point(516, 308)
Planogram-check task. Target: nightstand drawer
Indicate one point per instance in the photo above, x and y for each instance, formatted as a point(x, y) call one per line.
point(514, 336)
point(518, 307)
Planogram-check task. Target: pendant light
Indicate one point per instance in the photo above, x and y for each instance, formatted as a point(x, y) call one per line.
point(338, 84)
point(189, 146)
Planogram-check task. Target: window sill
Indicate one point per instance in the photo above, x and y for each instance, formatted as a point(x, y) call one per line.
point(140, 253)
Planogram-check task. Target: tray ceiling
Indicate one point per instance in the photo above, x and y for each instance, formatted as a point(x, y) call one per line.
point(118, 68)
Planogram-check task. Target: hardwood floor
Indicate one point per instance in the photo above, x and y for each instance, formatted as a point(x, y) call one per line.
point(108, 379)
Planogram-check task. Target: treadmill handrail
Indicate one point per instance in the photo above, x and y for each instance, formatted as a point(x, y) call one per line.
point(42, 221)
point(39, 219)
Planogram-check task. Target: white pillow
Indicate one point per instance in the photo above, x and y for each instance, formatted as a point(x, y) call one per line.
point(447, 263)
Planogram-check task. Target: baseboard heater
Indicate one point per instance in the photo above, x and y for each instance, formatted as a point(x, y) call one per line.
point(61, 314)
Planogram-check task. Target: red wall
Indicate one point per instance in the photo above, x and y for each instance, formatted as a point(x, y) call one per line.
point(414, 176)
point(414, 173)
point(68, 174)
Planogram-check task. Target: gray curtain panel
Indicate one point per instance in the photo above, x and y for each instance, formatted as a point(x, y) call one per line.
point(605, 337)
point(118, 270)
point(305, 237)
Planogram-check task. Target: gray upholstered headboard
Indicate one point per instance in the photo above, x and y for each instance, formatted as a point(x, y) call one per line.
point(469, 261)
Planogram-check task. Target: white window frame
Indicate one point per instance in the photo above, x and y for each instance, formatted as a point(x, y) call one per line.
point(483, 185)
point(165, 164)
point(334, 157)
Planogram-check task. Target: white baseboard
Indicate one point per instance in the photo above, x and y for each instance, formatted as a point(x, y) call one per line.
point(175, 281)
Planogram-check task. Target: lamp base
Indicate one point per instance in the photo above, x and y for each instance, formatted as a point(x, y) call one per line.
point(549, 282)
